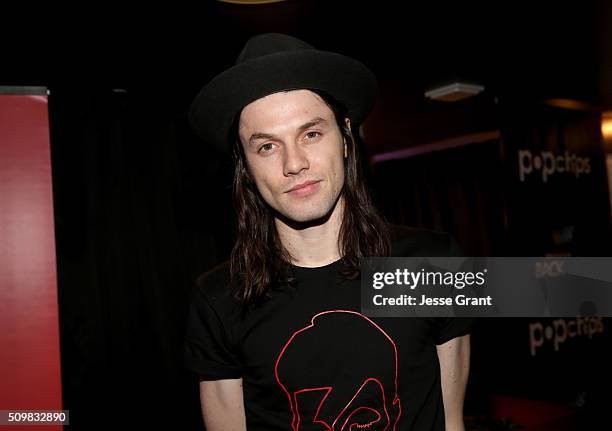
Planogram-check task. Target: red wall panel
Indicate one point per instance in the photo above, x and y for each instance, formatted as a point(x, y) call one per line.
point(29, 327)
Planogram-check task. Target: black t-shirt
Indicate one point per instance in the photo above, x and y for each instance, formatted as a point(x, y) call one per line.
point(310, 360)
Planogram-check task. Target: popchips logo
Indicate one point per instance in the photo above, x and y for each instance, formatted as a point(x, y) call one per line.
point(549, 164)
point(560, 330)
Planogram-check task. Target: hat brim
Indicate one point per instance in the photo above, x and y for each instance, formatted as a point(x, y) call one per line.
point(347, 80)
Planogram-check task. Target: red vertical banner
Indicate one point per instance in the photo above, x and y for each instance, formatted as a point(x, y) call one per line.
point(30, 376)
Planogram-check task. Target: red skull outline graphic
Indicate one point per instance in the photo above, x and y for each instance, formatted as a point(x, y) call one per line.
point(340, 373)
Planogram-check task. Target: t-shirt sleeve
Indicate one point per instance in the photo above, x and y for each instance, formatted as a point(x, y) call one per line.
point(448, 328)
point(452, 327)
point(427, 243)
point(207, 348)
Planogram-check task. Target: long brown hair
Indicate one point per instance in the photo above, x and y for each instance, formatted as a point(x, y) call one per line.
point(259, 260)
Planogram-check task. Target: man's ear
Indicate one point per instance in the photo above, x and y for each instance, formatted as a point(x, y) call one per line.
point(347, 123)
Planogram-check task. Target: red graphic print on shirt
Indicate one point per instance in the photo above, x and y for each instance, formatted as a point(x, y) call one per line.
point(340, 373)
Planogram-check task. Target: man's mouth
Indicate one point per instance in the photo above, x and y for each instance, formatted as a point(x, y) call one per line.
point(304, 188)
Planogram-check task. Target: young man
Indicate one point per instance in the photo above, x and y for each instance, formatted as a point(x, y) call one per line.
point(276, 334)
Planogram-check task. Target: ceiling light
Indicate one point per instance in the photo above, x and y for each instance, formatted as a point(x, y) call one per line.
point(453, 92)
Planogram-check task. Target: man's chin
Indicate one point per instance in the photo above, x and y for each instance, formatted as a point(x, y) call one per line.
point(304, 219)
point(306, 215)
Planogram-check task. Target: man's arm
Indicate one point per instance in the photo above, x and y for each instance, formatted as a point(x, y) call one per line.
point(222, 405)
point(454, 357)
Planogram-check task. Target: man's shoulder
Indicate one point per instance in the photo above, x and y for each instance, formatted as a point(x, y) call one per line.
point(216, 275)
point(413, 241)
point(215, 284)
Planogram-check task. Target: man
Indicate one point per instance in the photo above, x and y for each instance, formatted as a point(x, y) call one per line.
point(276, 334)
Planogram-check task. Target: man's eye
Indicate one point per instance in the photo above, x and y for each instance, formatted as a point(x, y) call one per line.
point(312, 135)
point(265, 148)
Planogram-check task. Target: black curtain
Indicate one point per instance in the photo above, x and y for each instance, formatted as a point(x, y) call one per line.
point(459, 191)
point(141, 209)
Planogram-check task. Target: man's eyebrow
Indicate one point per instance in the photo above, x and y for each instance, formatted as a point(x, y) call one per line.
point(314, 122)
point(258, 136)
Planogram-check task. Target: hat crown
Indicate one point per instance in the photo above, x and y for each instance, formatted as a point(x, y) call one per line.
point(270, 43)
point(273, 62)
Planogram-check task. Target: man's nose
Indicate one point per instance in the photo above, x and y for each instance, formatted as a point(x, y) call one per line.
point(295, 160)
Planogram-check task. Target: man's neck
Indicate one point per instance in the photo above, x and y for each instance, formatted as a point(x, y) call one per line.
point(313, 244)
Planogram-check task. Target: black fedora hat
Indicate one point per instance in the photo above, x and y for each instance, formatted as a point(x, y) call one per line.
point(274, 62)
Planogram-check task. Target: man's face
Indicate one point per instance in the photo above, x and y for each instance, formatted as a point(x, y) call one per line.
point(291, 139)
